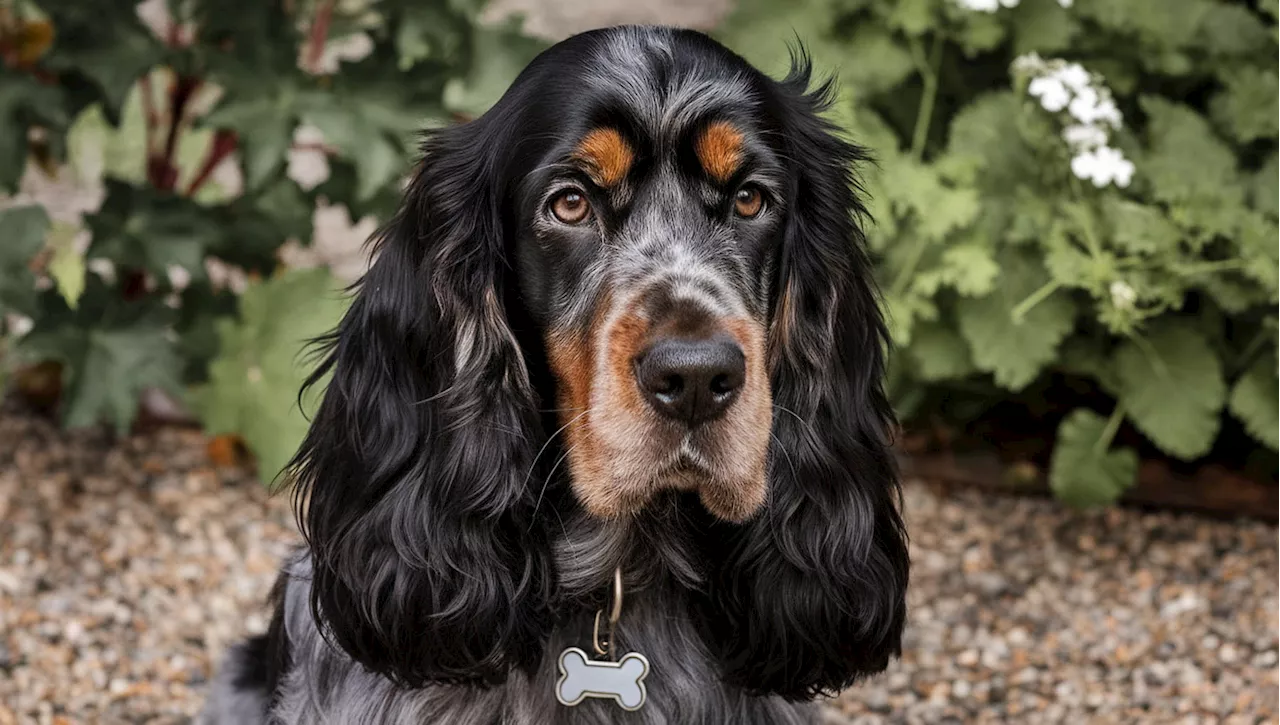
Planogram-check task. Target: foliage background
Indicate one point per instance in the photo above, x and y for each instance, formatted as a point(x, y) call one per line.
point(190, 181)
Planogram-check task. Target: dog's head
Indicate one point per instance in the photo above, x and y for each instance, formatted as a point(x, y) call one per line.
point(643, 260)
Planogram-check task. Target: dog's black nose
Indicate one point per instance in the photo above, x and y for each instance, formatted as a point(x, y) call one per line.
point(693, 381)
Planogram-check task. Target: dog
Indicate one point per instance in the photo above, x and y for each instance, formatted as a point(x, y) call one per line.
point(619, 347)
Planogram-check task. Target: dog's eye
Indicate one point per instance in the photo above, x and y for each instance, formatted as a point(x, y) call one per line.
point(570, 206)
point(748, 202)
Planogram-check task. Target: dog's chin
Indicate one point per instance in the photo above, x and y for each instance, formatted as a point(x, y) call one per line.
point(732, 500)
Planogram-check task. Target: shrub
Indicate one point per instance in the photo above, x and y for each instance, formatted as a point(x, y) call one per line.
point(1073, 200)
point(168, 158)
point(1106, 217)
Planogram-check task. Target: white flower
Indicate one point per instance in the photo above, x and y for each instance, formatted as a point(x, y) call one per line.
point(1122, 295)
point(1029, 63)
point(1074, 76)
point(18, 325)
point(225, 276)
point(1083, 136)
point(338, 244)
point(986, 6)
point(347, 48)
point(308, 163)
point(1090, 106)
point(1053, 94)
point(156, 16)
point(1065, 3)
point(178, 276)
point(1103, 166)
point(104, 268)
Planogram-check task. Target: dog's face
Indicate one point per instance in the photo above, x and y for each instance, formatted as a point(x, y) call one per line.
point(648, 238)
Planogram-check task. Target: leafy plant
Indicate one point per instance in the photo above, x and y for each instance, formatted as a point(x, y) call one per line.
point(168, 163)
point(1108, 218)
point(1066, 193)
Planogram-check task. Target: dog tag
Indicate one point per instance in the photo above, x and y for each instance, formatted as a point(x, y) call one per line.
point(621, 681)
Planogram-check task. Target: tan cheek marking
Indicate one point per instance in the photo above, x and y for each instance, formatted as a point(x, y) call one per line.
point(607, 154)
point(626, 339)
point(719, 150)
point(750, 430)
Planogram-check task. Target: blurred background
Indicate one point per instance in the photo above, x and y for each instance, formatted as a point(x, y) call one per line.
point(1075, 229)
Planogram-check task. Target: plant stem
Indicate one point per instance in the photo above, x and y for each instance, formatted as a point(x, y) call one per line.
point(904, 277)
point(929, 73)
point(149, 120)
point(1036, 298)
point(224, 142)
point(164, 169)
point(1112, 427)
point(317, 36)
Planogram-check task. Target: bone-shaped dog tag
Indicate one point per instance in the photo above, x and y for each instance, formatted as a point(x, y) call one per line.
point(581, 677)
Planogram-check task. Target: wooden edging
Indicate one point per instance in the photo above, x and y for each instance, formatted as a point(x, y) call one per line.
point(1212, 490)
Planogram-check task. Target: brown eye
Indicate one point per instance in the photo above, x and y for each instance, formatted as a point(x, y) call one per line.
point(748, 202)
point(570, 206)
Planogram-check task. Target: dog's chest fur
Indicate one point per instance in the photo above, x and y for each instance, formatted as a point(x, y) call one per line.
point(325, 686)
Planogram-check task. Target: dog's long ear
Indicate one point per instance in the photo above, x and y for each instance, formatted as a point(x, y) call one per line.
point(411, 482)
point(813, 592)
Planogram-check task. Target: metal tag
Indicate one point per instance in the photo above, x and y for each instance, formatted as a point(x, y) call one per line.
point(622, 681)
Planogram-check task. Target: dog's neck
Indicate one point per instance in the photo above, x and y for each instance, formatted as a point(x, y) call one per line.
point(658, 549)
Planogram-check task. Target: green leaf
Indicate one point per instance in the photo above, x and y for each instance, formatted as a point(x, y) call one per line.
point(1247, 106)
point(377, 167)
point(104, 43)
point(1185, 160)
point(980, 33)
point(1139, 228)
point(913, 17)
point(1254, 401)
point(66, 267)
point(138, 227)
point(1231, 30)
point(917, 189)
point(498, 54)
point(939, 353)
point(111, 351)
point(1264, 188)
point(1175, 26)
point(264, 127)
point(874, 61)
point(966, 267)
point(1172, 389)
point(24, 102)
point(1015, 351)
point(760, 30)
point(1042, 26)
point(23, 229)
point(428, 32)
point(254, 381)
point(1082, 472)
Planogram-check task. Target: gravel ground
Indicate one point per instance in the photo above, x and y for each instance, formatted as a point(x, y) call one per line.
point(126, 568)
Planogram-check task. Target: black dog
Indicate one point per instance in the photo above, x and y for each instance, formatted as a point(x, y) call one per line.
point(624, 320)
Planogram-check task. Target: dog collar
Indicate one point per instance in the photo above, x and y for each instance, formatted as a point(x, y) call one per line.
point(621, 680)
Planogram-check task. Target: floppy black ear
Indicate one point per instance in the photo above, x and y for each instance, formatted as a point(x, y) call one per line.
point(411, 481)
point(812, 594)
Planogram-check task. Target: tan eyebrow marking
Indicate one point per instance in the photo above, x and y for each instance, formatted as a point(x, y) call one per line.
point(719, 150)
point(608, 155)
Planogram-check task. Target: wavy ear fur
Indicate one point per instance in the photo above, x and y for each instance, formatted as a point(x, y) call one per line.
point(411, 481)
point(812, 592)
